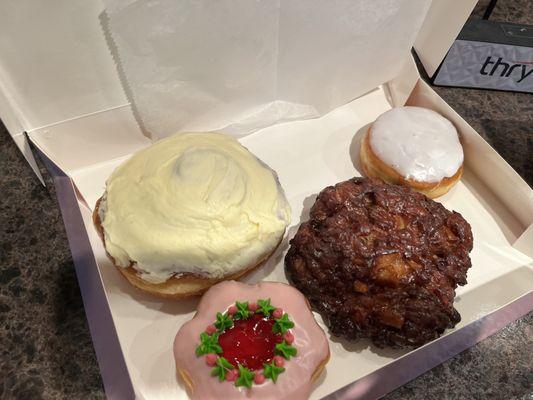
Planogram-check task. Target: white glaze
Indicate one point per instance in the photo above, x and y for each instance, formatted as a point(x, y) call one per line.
point(195, 202)
point(418, 143)
point(309, 340)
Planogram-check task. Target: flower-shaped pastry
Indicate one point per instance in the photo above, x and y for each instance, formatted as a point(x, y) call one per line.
point(258, 341)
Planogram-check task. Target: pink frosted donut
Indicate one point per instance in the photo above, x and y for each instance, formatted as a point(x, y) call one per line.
point(258, 341)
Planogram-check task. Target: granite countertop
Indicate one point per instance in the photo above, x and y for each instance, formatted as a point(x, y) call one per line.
point(46, 347)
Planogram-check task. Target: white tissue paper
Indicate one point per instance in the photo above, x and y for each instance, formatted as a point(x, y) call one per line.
point(240, 65)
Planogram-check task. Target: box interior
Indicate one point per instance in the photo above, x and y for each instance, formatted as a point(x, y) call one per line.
point(308, 156)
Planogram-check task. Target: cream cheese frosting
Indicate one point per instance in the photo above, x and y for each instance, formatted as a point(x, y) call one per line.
point(418, 143)
point(196, 203)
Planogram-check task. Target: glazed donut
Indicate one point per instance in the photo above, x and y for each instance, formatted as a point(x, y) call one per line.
point(189, 211)
point(413, 146)
point(259, 341)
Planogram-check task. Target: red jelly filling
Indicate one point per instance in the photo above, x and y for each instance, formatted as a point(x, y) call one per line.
point(250, 342)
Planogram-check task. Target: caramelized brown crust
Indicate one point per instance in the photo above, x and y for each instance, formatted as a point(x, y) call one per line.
point(320, 368)
point(374, 167)
point(186, 285)
point(381, 261)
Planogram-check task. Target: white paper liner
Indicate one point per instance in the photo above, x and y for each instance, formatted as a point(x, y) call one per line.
point(240, 65)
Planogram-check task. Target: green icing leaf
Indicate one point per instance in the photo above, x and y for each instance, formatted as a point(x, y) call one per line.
point(220, 372)
point(265, 307)
point(221, 368)
point(271, 371)
point(286, 350)
point(282, 324)
point(208, 344)
point(242, 310)
point(224, 321)
point(245, 378)
point(225, 363)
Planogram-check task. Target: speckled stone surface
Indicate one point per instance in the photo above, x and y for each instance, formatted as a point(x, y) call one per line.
point(500, 367)
point(44, 338)
point(45, 343)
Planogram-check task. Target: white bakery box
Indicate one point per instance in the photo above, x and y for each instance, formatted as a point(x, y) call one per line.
point(59, 87)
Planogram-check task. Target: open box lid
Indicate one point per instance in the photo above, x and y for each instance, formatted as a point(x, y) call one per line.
point(59, 67)
point(59, 82)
